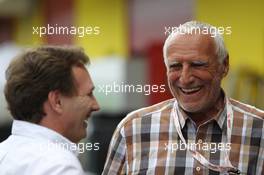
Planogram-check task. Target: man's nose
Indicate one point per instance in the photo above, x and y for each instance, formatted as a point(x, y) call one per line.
point(186, 76)
point(96, 106)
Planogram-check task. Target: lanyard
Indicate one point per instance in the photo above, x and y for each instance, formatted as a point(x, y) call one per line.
point(227, 167)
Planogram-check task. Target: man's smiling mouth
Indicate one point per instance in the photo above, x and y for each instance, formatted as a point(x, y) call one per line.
point(190, 90)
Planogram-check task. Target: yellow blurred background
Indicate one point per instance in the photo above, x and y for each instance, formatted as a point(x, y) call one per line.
point(127, 25)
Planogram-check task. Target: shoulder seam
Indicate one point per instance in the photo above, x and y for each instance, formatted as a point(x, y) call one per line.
point(245, 112)
point(137, 112)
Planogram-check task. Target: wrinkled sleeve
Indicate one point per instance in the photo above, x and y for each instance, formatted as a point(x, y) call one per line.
point(115, 161)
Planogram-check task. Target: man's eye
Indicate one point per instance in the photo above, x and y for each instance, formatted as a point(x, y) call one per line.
point(175, 66)
point(90, 94)
point(199, 64)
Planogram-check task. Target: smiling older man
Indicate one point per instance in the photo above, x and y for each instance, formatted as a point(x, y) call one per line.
point(201, 130)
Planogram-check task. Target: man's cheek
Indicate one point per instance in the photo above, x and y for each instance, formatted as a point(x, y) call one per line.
point(81, 105)
point(173, 79)
point(174, 86)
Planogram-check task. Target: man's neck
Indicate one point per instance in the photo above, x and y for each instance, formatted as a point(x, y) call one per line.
point(201, 117)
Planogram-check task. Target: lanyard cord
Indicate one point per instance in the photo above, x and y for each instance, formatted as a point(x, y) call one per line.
point(227, 167)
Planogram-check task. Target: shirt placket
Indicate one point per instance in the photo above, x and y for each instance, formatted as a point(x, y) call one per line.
point(201, 137)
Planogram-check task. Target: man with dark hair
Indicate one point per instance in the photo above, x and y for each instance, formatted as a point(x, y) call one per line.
point(200, 130)
point(49, 93)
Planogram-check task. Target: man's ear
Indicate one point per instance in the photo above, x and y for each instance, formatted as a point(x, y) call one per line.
point(54, 99)
point(225, 65)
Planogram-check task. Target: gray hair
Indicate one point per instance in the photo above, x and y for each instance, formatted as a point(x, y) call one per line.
point(193, 26)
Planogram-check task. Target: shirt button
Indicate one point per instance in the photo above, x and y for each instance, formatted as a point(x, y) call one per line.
point(198, 168)
point(200, 141)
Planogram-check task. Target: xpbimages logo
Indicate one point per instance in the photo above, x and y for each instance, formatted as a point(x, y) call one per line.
point(213, 31)
point(200, 146)
point(131, 88)
point(80, 31)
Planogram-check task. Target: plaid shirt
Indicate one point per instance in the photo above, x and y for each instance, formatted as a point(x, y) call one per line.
point(146, 142)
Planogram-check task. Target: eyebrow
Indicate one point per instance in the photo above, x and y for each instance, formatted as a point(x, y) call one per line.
point(173, 62)
point(194, 61)
point(202, 62)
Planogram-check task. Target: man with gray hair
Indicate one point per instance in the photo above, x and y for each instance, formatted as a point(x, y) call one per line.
point(200, 130)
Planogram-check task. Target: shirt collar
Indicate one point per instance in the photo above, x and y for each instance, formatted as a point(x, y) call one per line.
point(220, 118)
point(35, 131)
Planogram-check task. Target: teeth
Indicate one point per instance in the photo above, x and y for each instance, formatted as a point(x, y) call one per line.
point(86, 121)
point(189, 90)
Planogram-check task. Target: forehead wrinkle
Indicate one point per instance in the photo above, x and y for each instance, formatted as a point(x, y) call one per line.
point(200, 46)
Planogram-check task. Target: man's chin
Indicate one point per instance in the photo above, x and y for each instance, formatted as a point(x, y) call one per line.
point(191, 108)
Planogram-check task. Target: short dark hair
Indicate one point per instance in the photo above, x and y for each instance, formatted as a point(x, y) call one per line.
point(34, 73)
